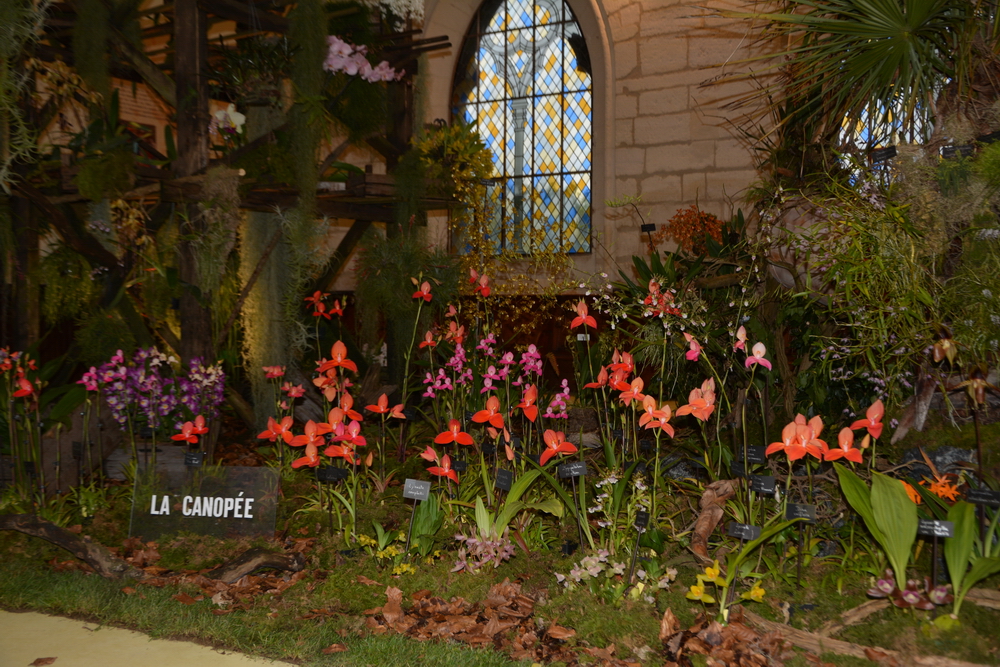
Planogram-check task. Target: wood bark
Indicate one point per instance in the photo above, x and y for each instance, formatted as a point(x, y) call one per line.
point(256, 559)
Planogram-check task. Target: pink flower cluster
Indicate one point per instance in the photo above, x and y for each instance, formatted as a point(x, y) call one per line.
point(350, 59)
point(557, 408)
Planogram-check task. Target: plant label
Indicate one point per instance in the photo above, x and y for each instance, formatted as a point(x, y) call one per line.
point(795, 511)
point(574, 469)
point(883, 154)
point(755, 454)
point(641, 519)
point(646, 445)
point(763, 484)
point(505, 480)
point(489, 449)
point(617, 433)
point(648, 227)
point(416, 489)
point(583, 337)
point(956, 152)
point(738, 469)
point(458, 465)
point(194, 458)
point(743, 531)
point(983, 497)
point(935, 528)
point(330, 474)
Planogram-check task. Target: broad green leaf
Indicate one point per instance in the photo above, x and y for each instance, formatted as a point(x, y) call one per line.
point(981, 569)
point(896, 516)
point(521, 485)
point(734, 559)
point(958, 549)
point(483, 520)
point(550, 506)
point(859, 496)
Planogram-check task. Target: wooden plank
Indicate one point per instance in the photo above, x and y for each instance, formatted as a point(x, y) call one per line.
point(339, 257)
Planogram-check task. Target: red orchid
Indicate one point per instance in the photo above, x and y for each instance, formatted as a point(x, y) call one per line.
point(313, 434)
point(701, 402)
point(317, 298)
point(602, 380)
point(495, 434)
point(293, 390)
point(273, 371)
point(649, 410)
point(424, 292)
point(453, 434)
point(429, 454)
point(582, 317)
point(555, 443)
point(444, 470)
point(338, 354)
point(275, 430)
point(335, 417)
point(758, 357)
point(451, 312)
point(484, 286)
point(626, 363)
point(456, 333)
point(630, 391)
point(327, 383)
point(320, 311)
point(428, 340)
point(382, 408)
point(695, 348)
point(351, 434)
point(527, 403)
point(741, 339)
point(347, 405)
point(660, 420)
point(799, 438)
point(344, 451)
point(845, 448)
point(337, 309)
point(199, 425)
point(311, 458)
point(491, 414)
point(187, 433)
point(26, 388)
point(872, 420)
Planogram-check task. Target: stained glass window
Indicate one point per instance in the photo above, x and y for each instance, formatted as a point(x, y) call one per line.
point(524, 82)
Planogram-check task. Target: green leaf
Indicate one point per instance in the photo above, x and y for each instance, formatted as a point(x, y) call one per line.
point(483, 519)
point(981, 569)
point(896, 516)
point(551, 505)
point(734, 559)
point(958, 549)
point(859, 496)
point(70, 400)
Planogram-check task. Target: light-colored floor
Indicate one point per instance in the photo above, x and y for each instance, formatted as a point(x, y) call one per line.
point(25, 637)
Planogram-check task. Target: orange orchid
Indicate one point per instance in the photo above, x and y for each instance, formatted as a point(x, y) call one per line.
point(310, 459)
point(327, 383)
point(912, 493)
point(444, 470)
point(199, 425)
point(345, 451)
point(320, 311)
point(649, 410)
point(26, 388)
point(555, 443)
point(338, 357)
point(701, 402)
point(660, 420)
point(484, 286)
point(602, 380)
point(382, 407)
point(335, 417)
point(943, 488)
point(622, 362)
point(351, 434)
point(872, 420)
point(429, 454)
point(275, 430)
point(273, 371)
point(424, 292)
point(187, 433)
point(317, 298)
point(453, 434)
point(428, 340)
point(491, 414)
point(799, 438)
point(313, 434)
point(582, 317)
point(527, 403)
point(347, 405)
point(630, 391)
point(337, 309)
point(845, 448)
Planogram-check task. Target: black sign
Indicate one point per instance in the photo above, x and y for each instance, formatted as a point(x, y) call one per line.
point(935, 528)
point(641, 519)
point(416, 489)
point(983, 497)
point(617, 433)
point(955, 152)
point(743, 531)
point(646, 445)
point(795, 511)
point(583, 337)
point(458, 465)
point(738, 469)
point(648, 227)
point(762, 484)
point(990, 138)
point(883, 154)
point(754, 454)
point(575, 469)
point(194, 458)
point(505, 480)
point(330, 474)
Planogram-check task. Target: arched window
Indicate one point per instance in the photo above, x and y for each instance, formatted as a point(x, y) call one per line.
point(524, 81)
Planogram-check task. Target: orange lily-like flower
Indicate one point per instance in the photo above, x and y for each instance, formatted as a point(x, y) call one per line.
point(453, 434)
point(317, 298)
point(429, 454)
point(428, 340)
point(660, 420)
point(273, 371)
point(943, 488)
point(424, 292)
point(26, 388)
point(320, 311)
point(622, 362)
point(845, 448)
point(313, 434)
point(701, 402)
point(912, 493)
point(630, 391)
point(327, 383)
point(649, 410)
point(582, 317)
point(338, 357)
point(799, 438)
point(872, 420)
point(347, 405)
point(344, 451)
point(555, 443)
point(484, 286)
point(444, 470)
point(199, 425)
point(602, 380)
point(741, 339)
point(491, 414)
point(335, 417)
point(694, 347)
point(337, 309)
point(275, 430)
point(187, 433)
point(758, 357)
point(351, 434)
point(382, 408)
point(310, 459)
point(456, 334)
point(527, 403)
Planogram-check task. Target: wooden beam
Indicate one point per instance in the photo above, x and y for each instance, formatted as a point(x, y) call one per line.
point(241, 13)
point(339, 257)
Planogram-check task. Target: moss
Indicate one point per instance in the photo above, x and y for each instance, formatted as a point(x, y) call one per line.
point(106, 176)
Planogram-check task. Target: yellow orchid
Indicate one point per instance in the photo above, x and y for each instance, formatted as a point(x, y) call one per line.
point(755, 594)
point(697, 592)
point(712, 573)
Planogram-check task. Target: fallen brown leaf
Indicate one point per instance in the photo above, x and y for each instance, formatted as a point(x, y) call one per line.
point(559, 632)
point(184, 598)
point(668, 625)
point(334, 648)
point(38, 662)
point(362, 579)
point(393, 610)
point(128, 590)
